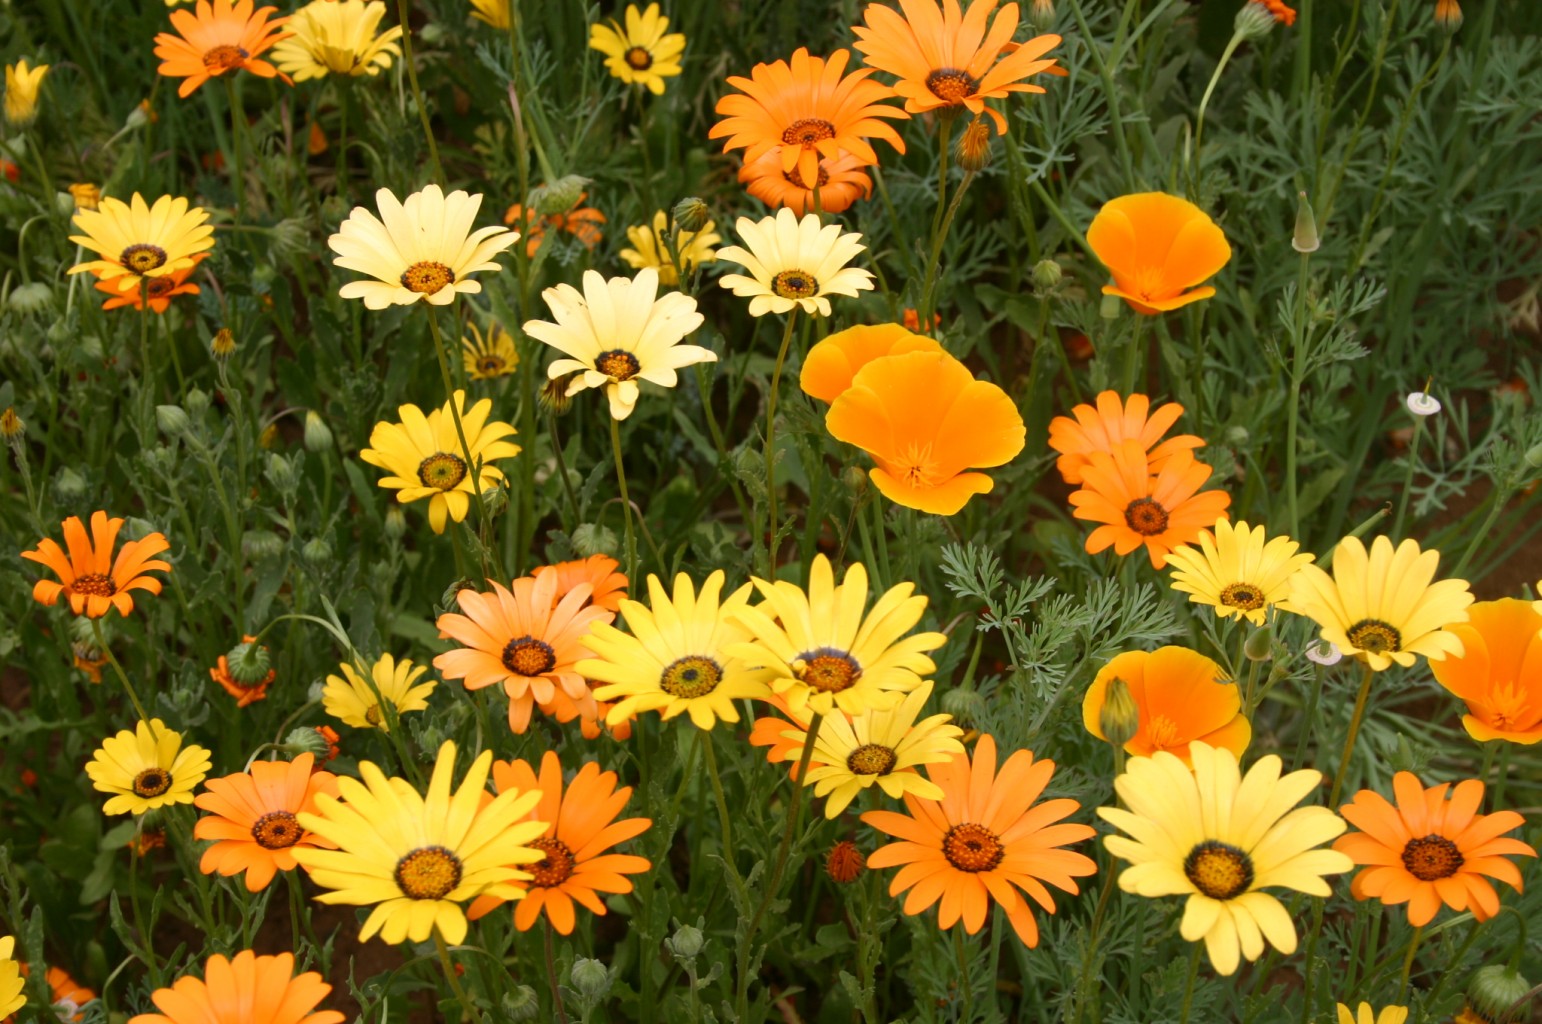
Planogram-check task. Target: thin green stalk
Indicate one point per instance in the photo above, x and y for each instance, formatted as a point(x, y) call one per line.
point(238, 165)
point(1454, 965)
point(473, 467)
point(1293, 415)
point(776, 380)
point(1188, 987)
point(551, 973)
point(934, 258)
point(1408, 959)
point(1413, 459)
point(724, 819)
point(626, 501)
point(1309, 721)
point(467, 1010)
point(1111, 95)
point(128, 687)
point(704, 388)
point(965, 984)
point(562, 469)
point(1133, 354)
point(1498, 500)
point(1355, 719)
point(1199, 118)
point(404, 13)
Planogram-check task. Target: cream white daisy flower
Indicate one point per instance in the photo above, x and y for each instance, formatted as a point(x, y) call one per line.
point(794, 262)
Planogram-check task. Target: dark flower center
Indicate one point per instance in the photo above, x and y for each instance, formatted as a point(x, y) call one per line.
point(556, 867)
point(1219, 870)
point(1243, 595)
point(951, 85)
point(690, 677)
point(795, 284)
point(94, 583)
point(638, 59)
point(527, 656)
point(807, 131)
point(872, 759)
point(442, 470)
point(1145, 517)
point(277, 830)
point(491, 365)
point(972, 848)
point(427, 277)
point(617, 365)
point(428, 873)
point(828, 670)
point(152, 782)
point(1374, 636)
point(143, 257)
point(1432, 857)
point(795, 177)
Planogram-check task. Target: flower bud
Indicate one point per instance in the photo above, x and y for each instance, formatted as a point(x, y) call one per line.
point(172, 420)
point(845, 863)
point(249, 662)
point(686, 943)
point(432, 33)
point(973, 151)
point(692, 214)
point(140, 116)
point(520, 1004)
point(1254, 20)
point(1448, 14)
point(965, 704)
point(318, 436)
point(494, 500)
point(590, 979)
point(451, 596)
point(1108, 309)
point(304, 739)
point(554, 394)
point(316, 552)
point(1119, 717)
point(196, 403)
point(33, 297)
point(258, 545)
point(223, 344)
point(395, 523)
point(855, 479)
point(1043, 15)
point(64, 203)
point(1046, 275)
point(1257, 646)
point(85, 195)
point(1493, 990)
point(282, 474)
point(1534, 456)
point(560, 196)
point(291, 237)
point(1238, 436)
point(1305, 238)
point(69, 486)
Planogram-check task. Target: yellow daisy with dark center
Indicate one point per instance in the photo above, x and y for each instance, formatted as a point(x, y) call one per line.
point(146, 768)
point(639, 50)
point(1237, 570)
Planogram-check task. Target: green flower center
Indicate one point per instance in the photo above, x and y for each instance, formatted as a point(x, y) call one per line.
point(872, 759)
point(442, 470)
point(1374, 636)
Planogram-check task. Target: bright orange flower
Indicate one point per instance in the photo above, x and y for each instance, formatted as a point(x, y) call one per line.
point(65, 993)
point(832, 363)
point(985, 839)
point(247, 989)
point(607, 586)
point(808, 110)
point(252, 818)
point(582, 222)
point(1182, 696)
point(1157, 247)
point(1136, 507)
point(927, 422)
point(161, 290)
point(912, 320)
point(1426, 850)
point(946, 58)
point(584, 826)
point(1114, 420)
point(784, 736)
point(220, 37)
point(89, 575)
point(1499, 673)
point(244, 693)
point(1282, 14)
point(841, 182)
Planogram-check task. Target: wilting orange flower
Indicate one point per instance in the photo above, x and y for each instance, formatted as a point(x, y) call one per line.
point(1282, 14)
point(161, 290)
point(832, 363)
point(244, 693)
point(1157, 247)
point(840, 180)
point(220, 37)
point(1136, 507)
point(583, 826)
point(333, 740)
point(591, 715)
point(65, 993)
point(983, 840)
point(1182, 696)
point(582, 222)
point(1499, 673)
point(247, 989)
point(845, 863)
point(88, 659)
point(927, 423)
point(1113, 421)
point(252, 818)
point(808, 111)
point(1426, 850)
point(89, 576)
point(946, 58)
point(607, 586)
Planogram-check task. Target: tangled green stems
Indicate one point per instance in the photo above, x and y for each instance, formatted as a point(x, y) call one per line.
point(626, 500)
point(473, 467)
point(770, 454)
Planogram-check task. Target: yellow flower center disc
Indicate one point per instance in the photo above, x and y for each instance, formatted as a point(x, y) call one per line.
point(428, 873)
point(689, 677)
point(872, 759)
point(427, 277)
point(1219, 870)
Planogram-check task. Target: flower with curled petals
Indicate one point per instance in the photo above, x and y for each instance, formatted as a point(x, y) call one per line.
point(338, 37)
point(89, 575)
point(831, 364)
point(1499, 672)
point(217, 38)
point(1104, 427)
point(1159, 248)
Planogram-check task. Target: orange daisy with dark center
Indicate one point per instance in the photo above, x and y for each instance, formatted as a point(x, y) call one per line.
point(427, 277)
point(639, 58)
point(142, 257)
point(1432, 857)
point(442, 470)
point(689, 677)
point(277, 830)
point(1375, 636)
point(1242, 595)
point(152, 782)
point(872, 759)
point(94, 583)
point(556, 867)
point(828, 670)
point(973, 848)
point(1146, 517)
point(527, 656)
point(617, 364)
point(951, 84)
point(222, 58)
point(795, 284)
point(428, 873)
point(806, 131)
point(1219, 870)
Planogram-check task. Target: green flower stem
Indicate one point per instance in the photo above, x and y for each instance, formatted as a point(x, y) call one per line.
point(1133, 354)
point(1454, 965)
point(776, 381)
point(626, 501)
point(238, 158)
point(1408, 959)
point(1355, 719)
point(1110, 94)
point(1293, 417)
point(1195, 177)
point(704, 388)
point(562, 470)
point(933, 258)
point(1498, 499)
point(1413, 459)
point(473, 467)
point(146, 946)
point(404, 13)
point(467, 1010)
point(965, 984)
point(551, 972)
point(1188, 987)
point(128, 687)
point(724, 819)
point(1309, 723)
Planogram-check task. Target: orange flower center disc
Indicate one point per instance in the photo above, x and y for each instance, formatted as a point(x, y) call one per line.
point(972, 848)
point(795, 284)
point(556, 867)
point(428, 873)
point(1162, 733)
point(1375, 636)
point(222, 58)
point(872, 759)
point(141, 257)
point(1145, 517)
point(1242, 595)
point(442, 470)
point(427, 277)
point(808, 130)
point(527, 656)
point(1219, 870)
point(1432, 857)
point(94, 583)
point(951, 85)
point(690, 677)
point(829, 671)
point(639, 59)
point(617, 365)
point(277, 830)
point(152, 782)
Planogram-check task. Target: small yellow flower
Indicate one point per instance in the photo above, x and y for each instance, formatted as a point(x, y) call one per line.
point(350, 699)
point(640, 53)
point(493, 12)
point(1366, 1015)
point(86, 195)
point(11, 982)
point(1236, 571)
point(337, 37)
point(489, 356)
point(653, 248)
point(146, 768)
point(21, 92)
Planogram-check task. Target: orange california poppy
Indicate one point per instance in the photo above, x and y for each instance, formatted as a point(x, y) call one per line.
point(1499, 673)
point(219, 37)
point(582, 222)
point(927, 422)
point(808, 111)
point(523, 638)
point(89, 575)
point(1101, 429)
point(244, 693)
point(252, 818)
point(584, 826)
point(1158, 247)
point(832, 363)
point(784, 735)
point(1136, 507)
point(1426, 850)
point(607, 586)
point(247, 989)
point(1182, 696)
point(841, 182)
point(946, 58)
point(985, 839)
point(161, 290)
point(65, 994)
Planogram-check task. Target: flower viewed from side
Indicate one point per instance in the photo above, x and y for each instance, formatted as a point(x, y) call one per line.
point(607, 587)
point(576, 866)
point(840, 183)
point(1159, 248)
point(1182, 696)
point(1137, 507)
point(423, 248)
point(417, 857)
point(1384, 606)
point(1236, 571)
point(927, 423)
point(642, 51)
point(250, 678)
point(158, 290)
point(844, 862)
point(617, 333)
point(493, 12)
point(985, 839)
point(252, 818)
point(246, 989)
point(831, 364)
point(219, 37)
point(1499, 672)
point(66, 995)
point(352, 700)
point(946, 59)
point(86, 195)
point(827, 650)
point(11, 983)
point(89, 575)
point(136, 240)
point(1220, 838)
point(1426, 850)
point(145, 768)
point(337, 37)
point(1448, 14)
point(794, 263)
point(489, 356)
point(424, 457)
point(582, 222)
point(1104, 427)
point(654, 246)
point(1366, 1015)
point(22, 85)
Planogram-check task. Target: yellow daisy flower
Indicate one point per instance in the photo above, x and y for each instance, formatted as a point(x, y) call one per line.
point(422, 248)
point(493, 12)
point(1220, 838)
point(490, 356)
point(136, 240)
point(145, 768)
point(350, 699)
point(1384, 606)
point(617, 333)
point(337, 37)
point(425, 458)
point(640, 53)
point(794, 263)
point(22, 85)
point(827, 650)
point(418, 857)
point(1366, 1015)
point(11, 981)
point(652, 248)
point(675, 660)
point(1236, 571)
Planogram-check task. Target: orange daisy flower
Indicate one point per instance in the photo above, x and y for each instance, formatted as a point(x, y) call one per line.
point(607, 586)
point(584, 826)
point(1157, 247)
point(784, 736)
point(832, 363)
point(946, 58)
point(219, 37)
point(1136, 507)
point(1112, 421)
point(1282, 13)
point(589, 712)
point(252, 818)
point(89, 575)
point(808, 110)
point(1182, 697)
point(1426, 850)
point(246, 989)
point(983, 840)
point(161, 290)
point(841, 182)
point(65, 993)
point(525, 639)
point(1499, 674)
point(244, 693)
point(582, 222)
